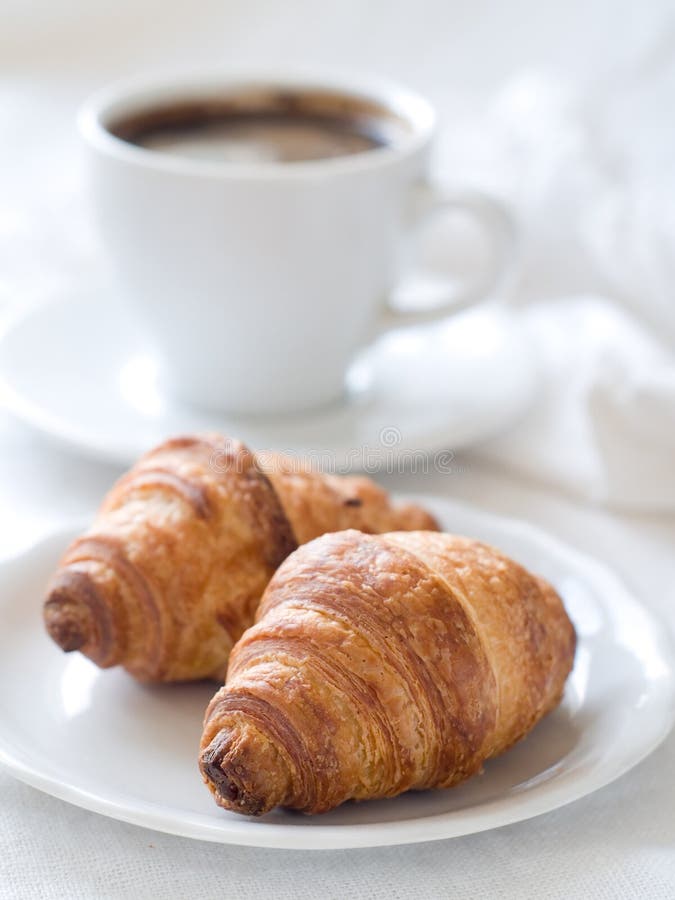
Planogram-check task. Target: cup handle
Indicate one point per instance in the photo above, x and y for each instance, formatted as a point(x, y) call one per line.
point(499, 225)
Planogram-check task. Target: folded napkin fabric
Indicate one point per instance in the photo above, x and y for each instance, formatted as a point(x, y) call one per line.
point(603, 424)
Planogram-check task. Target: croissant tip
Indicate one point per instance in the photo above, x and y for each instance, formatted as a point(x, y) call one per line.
point(64, 631)
point(77, 617)
point(66, 634)
point(227, 781)
point(415, 518)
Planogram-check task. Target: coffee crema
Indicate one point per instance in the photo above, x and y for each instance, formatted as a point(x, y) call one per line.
point(263, 127)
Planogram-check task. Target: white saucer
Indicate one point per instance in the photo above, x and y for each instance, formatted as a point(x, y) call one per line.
point(100, 740)
point(77, 369)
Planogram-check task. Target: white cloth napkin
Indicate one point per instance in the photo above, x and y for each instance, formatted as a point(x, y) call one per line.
point(603, 423)
point(591, 174)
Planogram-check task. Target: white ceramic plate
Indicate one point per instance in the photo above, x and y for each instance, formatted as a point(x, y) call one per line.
point(78, 369)
point(102, 741)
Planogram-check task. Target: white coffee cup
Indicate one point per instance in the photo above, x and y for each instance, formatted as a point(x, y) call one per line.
point(258, 280)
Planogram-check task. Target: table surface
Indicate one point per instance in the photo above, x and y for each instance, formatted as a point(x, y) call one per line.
point(617, 843)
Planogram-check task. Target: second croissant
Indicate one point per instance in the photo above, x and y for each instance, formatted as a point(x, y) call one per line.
point(170, 574)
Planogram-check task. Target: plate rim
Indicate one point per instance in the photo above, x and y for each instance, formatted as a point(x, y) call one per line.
point(442, 826)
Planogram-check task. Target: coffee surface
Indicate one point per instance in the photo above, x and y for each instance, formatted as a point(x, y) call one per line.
point(261, 138)
point(291, 129)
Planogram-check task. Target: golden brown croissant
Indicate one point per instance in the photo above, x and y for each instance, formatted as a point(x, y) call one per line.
point(379, 664)
point(172, 570)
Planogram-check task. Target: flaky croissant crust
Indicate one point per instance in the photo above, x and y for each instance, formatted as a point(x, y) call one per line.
point(380, 664)
point(171, 572)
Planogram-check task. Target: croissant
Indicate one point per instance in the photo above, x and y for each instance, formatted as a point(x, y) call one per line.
point(171, 572)
point(381, 664)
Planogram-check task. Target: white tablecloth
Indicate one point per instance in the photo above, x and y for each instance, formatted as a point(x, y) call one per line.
point(496, 71)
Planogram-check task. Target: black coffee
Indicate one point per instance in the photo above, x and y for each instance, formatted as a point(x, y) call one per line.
point(263, 127)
